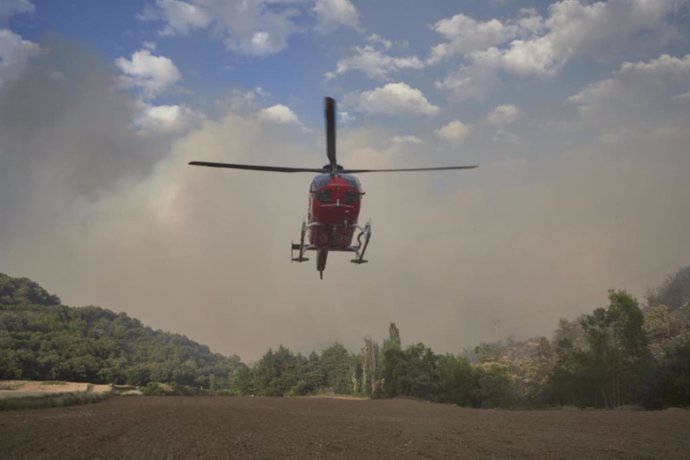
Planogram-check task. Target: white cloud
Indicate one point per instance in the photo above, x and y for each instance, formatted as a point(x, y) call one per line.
point(503, 115)
point(466, 35)
point(179, 17)
point(393, 98)
point(639, 95)
point(345, 117)
point(376, 39)
point(374, 63)
point(280, 114)
point(256, 27)
point(15, 53)
point(166, 119)
point(9, 8)
point(544, 47)
point(331, 14)
point(406, 139)
point(453, 131)
point(152, 74)
point(474, 81)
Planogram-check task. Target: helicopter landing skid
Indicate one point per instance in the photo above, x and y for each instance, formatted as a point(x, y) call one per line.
point(301, 247)
point(361, 247)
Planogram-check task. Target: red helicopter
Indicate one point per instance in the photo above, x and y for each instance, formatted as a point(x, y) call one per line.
point(335, 197)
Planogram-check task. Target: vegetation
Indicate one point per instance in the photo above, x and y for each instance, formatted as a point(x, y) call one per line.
point(51, 400)
point(618, 355)
point(41, 339)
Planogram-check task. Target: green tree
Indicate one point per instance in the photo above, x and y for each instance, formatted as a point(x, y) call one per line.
point(610, 368)
point(456, 379)
point(336, 364)
point(394, 337)
point(618, 355)
point(277, 373)
point(411, 372)
point(494, 386)
point(313, 376)
point(671, 385)
point(241, 382)
point(371, 368)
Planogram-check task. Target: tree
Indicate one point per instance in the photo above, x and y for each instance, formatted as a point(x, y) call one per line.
point(456, 379)
point(411, 372)
point(336, 364)
point(610, 366)
point(671, 385)
point(241, 382)
point(674, 293)
point(493, 386)
point(488, 352)
point(371, 368)
point(277, 373)
point(313, 376)
point(394, 337)
point(666, 329)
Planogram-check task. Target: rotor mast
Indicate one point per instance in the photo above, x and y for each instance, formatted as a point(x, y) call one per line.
point(329, 113)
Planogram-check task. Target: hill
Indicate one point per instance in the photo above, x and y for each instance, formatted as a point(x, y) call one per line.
point(42, 339)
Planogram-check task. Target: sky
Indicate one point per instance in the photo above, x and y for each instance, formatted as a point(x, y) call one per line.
point(577, 113)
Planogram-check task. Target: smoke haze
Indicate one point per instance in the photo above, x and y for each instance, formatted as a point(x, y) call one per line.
point(557, 213)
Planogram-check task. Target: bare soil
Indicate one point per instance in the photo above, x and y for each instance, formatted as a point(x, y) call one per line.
point(225, 427)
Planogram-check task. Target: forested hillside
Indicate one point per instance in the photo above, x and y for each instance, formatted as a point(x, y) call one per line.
point(42, 339)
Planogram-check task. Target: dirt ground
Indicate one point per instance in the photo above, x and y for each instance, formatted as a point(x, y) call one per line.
point(224, 427)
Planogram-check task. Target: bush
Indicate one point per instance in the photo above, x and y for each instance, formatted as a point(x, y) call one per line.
point(153, 389)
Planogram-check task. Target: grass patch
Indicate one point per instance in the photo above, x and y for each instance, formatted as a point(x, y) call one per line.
point(51, 400)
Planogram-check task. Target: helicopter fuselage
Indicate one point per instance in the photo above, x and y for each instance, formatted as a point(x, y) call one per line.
point(334, 204)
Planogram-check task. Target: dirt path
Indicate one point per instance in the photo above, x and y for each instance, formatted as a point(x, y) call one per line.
point(207, 427)
point(23, 388)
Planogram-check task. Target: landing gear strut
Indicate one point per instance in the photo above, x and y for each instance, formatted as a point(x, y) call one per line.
point(322, 252)
point(360, 249)
point(301, 247)
point(321, 258)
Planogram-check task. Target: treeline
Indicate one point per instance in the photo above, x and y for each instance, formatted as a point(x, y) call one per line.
point(620, 354)
point(617, 355)
point(41, 339)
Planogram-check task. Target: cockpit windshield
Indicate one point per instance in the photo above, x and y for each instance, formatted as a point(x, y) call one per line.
point(320, 181)
point(352, 180)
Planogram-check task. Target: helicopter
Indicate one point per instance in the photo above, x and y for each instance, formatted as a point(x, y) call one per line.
point(335, 197)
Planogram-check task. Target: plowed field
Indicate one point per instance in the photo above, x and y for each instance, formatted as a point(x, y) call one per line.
point(208, 427)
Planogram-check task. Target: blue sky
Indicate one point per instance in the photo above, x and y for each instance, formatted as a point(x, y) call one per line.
point(213, 56)
point(578, 113)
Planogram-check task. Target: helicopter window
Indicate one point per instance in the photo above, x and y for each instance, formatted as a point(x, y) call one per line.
point(351, 197)
point(320, 181)
point(353, 181)
point(323, 196)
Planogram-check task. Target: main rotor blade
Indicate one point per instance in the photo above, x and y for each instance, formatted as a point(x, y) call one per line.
point(286, 169)
point(330, 132)
point(438, 168)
